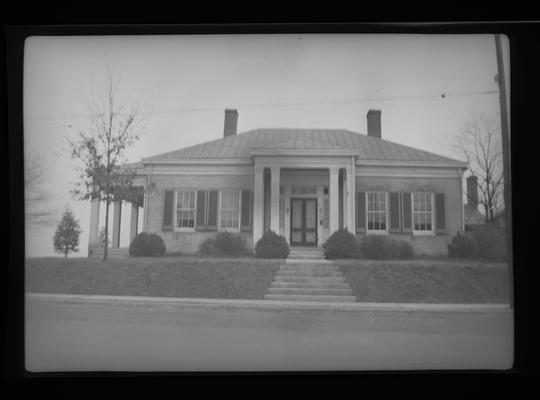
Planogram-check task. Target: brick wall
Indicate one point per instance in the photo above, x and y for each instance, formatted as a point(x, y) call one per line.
point(188, 242)
point(451, 187)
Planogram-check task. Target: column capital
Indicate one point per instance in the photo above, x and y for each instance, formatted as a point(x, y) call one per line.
point(259, 169)
point(333, 170)
point(275, 169)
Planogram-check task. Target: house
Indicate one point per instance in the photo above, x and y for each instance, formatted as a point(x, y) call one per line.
point(303, 183)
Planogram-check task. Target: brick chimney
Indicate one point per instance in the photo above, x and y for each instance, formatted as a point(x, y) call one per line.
point(231, 122)
point(374, 123)
point(472, 191)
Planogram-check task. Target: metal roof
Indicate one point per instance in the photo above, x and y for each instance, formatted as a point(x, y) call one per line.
point(239, 146)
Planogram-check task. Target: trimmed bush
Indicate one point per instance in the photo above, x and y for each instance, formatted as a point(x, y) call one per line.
point(147, 245)
point(489, 242)
point(342, 244)
point(378, 247)
point(272, 245)
point(461, 247)
point(224, 244)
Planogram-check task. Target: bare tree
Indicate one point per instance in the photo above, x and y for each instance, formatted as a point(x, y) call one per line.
point(479, 140)
point(101, 149)
point(38, 209)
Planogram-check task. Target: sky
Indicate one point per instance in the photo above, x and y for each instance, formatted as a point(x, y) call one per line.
point(185, 82)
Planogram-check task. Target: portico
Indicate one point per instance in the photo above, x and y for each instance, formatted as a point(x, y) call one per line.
point(136, 200)
point(303, 197)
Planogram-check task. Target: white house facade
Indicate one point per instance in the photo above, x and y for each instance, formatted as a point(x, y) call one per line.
point(301, 183)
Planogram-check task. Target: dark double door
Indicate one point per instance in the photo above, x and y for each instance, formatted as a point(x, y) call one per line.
point(303, 222)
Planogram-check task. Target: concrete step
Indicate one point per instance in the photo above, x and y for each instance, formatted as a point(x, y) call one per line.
point(308, 268)
point(309, 279)
point(302, 261)
point(320, 274)
point(306, 297)
point(311, 291)
point(311, 285)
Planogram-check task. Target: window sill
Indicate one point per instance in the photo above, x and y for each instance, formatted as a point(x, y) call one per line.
point(184, 230)
point(423, 233)
point(377, 232)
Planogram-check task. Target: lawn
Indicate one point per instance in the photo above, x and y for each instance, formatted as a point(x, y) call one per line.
point(414, 281)
point(429, 281)
point(240, 278)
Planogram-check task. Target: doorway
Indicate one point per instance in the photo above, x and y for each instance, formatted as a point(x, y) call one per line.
point(304, 222)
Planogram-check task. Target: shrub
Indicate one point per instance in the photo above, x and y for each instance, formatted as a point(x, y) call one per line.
point(342, 244)
point(147, 245)
point(224, 244)
point(404, 249)
point(272, 245)
point(461, 247)
point(489, 242)
point(377, 247)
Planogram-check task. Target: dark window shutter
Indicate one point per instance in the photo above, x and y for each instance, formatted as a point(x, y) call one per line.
point(245, 217)
point(440, 222)
point(201, 211)
point(406, 211)
point(212, 222)
point(395, 217)
point(168, 211)
point(361, 212)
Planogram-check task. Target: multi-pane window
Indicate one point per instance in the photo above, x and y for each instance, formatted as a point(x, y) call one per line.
point(185, 209)
point(230, 209)
point(422, 211)
point(376, 211)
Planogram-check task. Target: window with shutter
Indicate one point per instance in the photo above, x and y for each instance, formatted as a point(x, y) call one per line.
point(185, 210)
point(422, 212)
point(230, 210)
point(376, 212)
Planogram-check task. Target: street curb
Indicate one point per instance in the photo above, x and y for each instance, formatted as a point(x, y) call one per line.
point(266, 304)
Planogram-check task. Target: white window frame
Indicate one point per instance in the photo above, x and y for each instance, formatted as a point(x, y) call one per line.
point(423, 232)
point(175, 211)
point(237, 229)
point(377, 231)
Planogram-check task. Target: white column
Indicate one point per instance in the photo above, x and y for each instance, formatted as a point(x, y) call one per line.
point(274, 199)
point(258, 204)
point(94, 223)
point(320, 211)
point(117, 215)
point(344, 199)
point(334, 199)
point(287, 224)
point(133, 224)
point(351, 193)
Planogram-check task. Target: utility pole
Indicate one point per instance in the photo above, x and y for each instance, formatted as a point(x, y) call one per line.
point(505, 130)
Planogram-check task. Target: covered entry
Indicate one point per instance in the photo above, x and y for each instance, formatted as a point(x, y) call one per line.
point(303, 222)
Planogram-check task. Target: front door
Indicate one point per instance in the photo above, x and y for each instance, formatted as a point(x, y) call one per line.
point(304, 222)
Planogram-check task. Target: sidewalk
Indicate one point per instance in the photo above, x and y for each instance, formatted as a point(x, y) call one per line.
point(266, 304)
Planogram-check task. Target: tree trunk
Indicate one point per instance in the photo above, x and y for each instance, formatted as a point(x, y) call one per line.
point(105, 249)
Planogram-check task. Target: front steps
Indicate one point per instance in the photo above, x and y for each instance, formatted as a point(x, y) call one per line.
point(302, 278)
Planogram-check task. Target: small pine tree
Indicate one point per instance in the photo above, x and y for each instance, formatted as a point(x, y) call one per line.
point(66, 237)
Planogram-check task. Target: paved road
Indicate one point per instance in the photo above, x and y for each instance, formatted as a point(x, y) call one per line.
point(93, 337)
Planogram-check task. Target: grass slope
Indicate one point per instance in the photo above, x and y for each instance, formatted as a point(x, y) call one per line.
point(426, 281)
point(241, 278)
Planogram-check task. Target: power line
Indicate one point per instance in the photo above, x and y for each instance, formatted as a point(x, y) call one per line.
point(281, 105)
